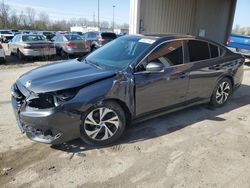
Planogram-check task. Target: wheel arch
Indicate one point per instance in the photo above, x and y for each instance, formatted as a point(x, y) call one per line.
point(123, 105)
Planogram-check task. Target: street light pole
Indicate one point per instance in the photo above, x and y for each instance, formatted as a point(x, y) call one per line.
point(113, 18)
point(99, 15)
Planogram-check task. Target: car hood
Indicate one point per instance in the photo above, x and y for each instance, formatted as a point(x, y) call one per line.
point(62, 75)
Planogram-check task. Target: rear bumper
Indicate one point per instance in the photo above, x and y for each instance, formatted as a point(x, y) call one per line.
point(244, 52)
point(2, 54)
point(50, 126)
point(76, 51)
point(39, 52)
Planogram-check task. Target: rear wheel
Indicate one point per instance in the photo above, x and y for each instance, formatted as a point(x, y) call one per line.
point(103, 124)
point(63, 54)
point(222, 93)
point(93, 48)
point(20, 56)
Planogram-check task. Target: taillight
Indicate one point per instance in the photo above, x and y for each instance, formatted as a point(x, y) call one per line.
point(70, 44)
point(1, 47)
point(28, 47)
point(228, 40)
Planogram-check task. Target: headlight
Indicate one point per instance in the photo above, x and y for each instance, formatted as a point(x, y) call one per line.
point(41, 101)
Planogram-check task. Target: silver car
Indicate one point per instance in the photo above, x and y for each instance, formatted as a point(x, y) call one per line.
point(31, 45)
point(70, 44)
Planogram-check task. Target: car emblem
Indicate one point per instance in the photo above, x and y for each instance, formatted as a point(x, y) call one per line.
point(28, 83)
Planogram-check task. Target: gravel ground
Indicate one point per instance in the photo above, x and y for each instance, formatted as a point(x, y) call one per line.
point(195, 147)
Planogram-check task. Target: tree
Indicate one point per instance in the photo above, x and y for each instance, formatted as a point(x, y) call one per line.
point(31, 14)
point(4, 15)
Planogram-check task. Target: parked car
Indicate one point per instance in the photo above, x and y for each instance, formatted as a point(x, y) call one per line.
point(30, 45)
point(77, 33)
point(133, 78)
point(70, 44)
point(97, 39)
point(239, 44)
point(48, 34)
point(2, 54)
point(5, 36)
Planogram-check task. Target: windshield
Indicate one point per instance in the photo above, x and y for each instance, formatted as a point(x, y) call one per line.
point(73, 37)
point(31, 38)
point(119, 53)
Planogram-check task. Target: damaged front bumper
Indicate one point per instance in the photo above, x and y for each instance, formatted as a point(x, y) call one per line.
point(51, 126)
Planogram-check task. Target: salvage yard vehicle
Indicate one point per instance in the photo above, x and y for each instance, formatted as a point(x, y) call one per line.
point(130, 79)
point(31, 45)
point(5, 36)
point(239, 44)
point(2, 54)
point(97, 39)
point(70, 44)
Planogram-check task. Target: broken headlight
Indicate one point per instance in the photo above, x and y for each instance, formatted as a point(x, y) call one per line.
point(41, 101)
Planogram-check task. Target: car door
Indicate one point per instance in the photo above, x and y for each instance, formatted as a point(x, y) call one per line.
point(206, 67)
point(166, 89)
point(10, 44)
point(14, 44)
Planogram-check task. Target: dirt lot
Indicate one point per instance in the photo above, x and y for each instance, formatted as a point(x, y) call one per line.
point(196, 147)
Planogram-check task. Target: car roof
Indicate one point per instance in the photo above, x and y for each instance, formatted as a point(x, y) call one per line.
point(165, 37)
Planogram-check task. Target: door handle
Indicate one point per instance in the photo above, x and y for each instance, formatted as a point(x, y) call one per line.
point(216, 67)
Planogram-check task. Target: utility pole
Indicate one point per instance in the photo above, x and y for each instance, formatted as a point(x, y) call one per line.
point(94, 19)
point(113, 18)
point(99, 15)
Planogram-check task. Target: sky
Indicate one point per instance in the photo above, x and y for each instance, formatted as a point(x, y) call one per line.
point(65, 9)
point(242, 13)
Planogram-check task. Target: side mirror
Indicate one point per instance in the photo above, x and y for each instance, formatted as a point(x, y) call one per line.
point(154, 67)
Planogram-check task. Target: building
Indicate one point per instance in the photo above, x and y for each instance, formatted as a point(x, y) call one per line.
point(208, 18)
point(83, 29)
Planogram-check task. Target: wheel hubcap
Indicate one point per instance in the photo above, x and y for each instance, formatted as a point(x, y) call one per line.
point(101, 124)
point(223, 92)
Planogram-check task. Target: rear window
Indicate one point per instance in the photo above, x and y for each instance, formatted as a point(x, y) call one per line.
point(92, 35)
point(198, 50)
point(214, 51)
point(108, 35)
point(73, 37)
point(31, 38)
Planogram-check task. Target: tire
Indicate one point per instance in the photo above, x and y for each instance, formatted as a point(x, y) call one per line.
point(95, 128)
point(64, 54)
point(93, 48)
point(20, 56)
point(222, 93)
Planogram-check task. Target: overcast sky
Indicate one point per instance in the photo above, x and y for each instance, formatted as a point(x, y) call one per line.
point(59, 9)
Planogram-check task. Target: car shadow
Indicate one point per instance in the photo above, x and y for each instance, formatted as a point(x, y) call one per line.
point(169, 123)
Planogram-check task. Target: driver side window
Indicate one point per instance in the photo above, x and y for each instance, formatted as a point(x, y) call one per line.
point(169, 54)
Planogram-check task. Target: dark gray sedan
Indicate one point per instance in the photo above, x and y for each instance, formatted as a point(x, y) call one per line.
point(132, 78)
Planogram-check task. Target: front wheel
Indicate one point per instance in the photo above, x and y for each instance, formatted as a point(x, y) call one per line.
point(103, 124)
point(222, 93)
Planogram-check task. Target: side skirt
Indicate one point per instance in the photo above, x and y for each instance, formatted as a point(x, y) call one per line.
point(166, 111)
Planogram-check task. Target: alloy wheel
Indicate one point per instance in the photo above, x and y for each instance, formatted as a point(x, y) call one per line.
point(101, 124)
point(223, 92)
